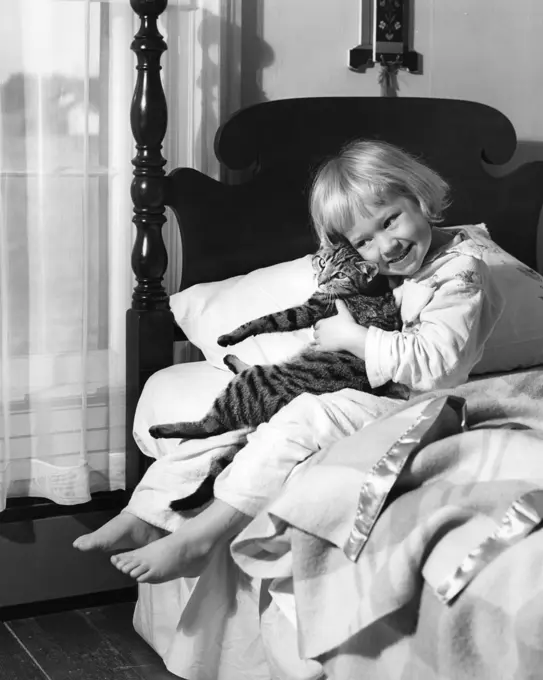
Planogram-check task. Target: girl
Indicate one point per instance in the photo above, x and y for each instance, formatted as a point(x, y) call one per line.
point(386, 203)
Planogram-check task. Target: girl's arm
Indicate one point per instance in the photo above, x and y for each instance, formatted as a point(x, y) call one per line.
point(442, 348)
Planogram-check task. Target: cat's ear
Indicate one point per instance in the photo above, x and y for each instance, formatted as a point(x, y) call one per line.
point(336, 238)
point(368, 269)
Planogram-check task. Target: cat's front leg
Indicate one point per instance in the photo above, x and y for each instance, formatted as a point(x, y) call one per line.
point(294, 318)
point(243, 332)
point(271, 323)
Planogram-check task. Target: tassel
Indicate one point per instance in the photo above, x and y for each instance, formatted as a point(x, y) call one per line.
point(388, 76)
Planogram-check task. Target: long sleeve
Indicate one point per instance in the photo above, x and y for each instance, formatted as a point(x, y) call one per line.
point(440, 347)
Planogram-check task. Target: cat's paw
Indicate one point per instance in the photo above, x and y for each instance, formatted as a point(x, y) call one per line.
point(226, 340)
point(154, 431)
point(163, 431)
point(236, 365)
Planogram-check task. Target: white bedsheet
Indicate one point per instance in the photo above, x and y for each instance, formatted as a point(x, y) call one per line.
point(206, 628)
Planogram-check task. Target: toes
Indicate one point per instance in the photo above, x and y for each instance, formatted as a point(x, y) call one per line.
point(139, 571)
point(146, 577)
point(130, 564)
point(128, 567)
point(124, 562)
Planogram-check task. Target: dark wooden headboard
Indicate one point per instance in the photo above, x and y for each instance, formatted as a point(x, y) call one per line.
point(229, 229)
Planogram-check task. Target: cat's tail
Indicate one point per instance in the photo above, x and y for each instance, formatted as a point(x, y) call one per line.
point(202, 495)
point(199, 429)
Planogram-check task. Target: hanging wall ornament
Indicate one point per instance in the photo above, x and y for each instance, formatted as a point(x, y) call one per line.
point(386, 33)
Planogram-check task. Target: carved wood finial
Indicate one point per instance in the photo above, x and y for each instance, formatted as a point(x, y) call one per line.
point(148, 119)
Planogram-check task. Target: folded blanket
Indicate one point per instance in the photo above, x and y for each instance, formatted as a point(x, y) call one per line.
point(495, 400)
point(444, 486)
point(493, 631)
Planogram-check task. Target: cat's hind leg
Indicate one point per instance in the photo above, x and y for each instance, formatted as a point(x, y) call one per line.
point(199, 429)
point(234, 364)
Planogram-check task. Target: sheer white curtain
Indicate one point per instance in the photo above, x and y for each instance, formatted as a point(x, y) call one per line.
point(66, 82)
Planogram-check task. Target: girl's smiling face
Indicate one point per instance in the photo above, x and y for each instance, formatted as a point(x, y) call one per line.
point(396, 236)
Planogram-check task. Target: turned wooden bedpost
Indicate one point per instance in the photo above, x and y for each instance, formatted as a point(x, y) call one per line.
point(149, 322)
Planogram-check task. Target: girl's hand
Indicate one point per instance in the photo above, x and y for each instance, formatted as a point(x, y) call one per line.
point(340, 332)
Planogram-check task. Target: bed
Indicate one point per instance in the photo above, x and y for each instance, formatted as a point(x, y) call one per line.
point(449, 583)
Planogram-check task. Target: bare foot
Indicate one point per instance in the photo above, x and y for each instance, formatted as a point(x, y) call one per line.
point(121, 533)
point(178, 554)
point(187, 551)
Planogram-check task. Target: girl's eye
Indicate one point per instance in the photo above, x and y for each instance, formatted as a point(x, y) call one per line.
point(390, 221)
point(363, 244)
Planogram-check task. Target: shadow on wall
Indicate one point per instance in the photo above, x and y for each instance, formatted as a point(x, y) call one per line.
point(237, 80)
point(256, 54)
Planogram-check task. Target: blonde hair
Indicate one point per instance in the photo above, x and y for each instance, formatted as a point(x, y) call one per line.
point(367, 174)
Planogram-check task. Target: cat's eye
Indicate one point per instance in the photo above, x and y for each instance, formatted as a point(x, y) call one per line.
point(340, 275)
point(320, 262)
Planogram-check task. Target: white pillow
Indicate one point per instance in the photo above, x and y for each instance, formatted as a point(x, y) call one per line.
point(207, 310)
point(517, 338)
point(163, 401)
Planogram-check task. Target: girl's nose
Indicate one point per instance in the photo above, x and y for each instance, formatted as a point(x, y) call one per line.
point(390, 247)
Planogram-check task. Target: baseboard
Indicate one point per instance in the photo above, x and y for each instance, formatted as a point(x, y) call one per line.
point(32, 609)
point(23, 509)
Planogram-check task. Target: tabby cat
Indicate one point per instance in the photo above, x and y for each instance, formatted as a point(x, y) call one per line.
point(258, 392)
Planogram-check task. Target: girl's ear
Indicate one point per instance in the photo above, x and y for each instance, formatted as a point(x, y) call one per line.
point(368, 269)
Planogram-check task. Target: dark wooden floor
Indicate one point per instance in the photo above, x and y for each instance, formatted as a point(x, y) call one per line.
point(97, 643)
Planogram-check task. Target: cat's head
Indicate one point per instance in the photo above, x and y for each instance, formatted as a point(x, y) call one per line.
point(341, 271)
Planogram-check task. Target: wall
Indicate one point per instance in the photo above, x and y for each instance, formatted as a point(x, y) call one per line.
point(482, 50)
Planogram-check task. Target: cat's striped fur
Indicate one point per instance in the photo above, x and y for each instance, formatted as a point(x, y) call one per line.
point(256, 393)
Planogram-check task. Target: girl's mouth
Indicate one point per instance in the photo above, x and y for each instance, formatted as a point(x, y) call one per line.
point(402, 255)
